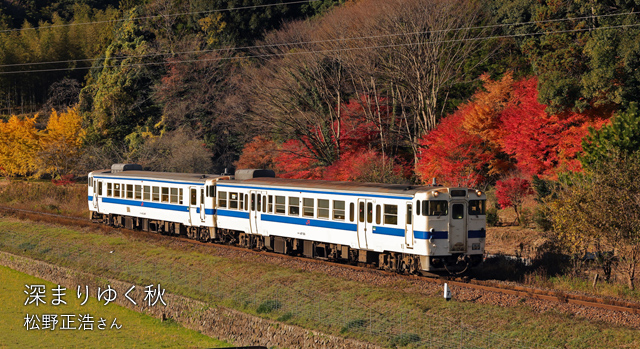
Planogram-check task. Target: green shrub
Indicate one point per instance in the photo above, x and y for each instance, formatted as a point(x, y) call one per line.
point(269, 306)
point(492, 217)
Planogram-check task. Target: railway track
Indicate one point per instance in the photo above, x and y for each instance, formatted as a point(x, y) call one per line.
point(479, 285)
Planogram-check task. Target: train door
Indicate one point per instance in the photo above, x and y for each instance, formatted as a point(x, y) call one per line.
point(255, 209)
point(457, 227)
point(95, 193)
point(193, 206)
point(365, 221)
point(202, 210)
point(408, 234)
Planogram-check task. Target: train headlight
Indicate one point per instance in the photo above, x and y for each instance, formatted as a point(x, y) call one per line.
point(475, 246)
point(435, 194)
point(479, 193)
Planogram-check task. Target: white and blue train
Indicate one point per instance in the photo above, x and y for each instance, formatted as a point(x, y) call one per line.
point(394, 227)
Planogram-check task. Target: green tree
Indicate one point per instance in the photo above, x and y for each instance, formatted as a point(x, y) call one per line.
point(117, 97)
point(621, 136)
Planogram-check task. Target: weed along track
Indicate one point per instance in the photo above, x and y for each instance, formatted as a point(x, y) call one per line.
point(484, 292)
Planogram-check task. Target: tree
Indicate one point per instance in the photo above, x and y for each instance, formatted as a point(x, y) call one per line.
point(60, 143)
point(18, 146)
point(621, 136)
point(452, 155)
point(601, 210)
point(117, 97)
point(512, 193)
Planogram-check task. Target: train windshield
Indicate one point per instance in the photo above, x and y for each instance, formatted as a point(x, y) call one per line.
point(477, 207)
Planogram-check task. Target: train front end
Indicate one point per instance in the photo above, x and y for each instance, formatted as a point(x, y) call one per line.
point(454, 221)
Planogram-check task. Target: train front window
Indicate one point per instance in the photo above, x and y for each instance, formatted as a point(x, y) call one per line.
point(438, 208)
point(457, 211)
point(477, 207)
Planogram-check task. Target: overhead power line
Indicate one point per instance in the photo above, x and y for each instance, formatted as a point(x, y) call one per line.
point(242, 48)
point(164, 16)
point(324, 51)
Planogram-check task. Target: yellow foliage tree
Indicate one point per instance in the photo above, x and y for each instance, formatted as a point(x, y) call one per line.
point(60, 143)
point(18, 146)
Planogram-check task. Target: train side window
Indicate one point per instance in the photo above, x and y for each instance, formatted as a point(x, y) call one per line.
point(409, 213)
point(233, 201)
point(270, 207)
point(138, 192)
point(253, 202)
point(180, 196)
point(116, 190)
point(222, 199)
point(241, 205)
point(338, 210)
point(264, 203)
point(246, 202)
point(352, 211)
point(155, 191)
point(307, 207)
point(194, 197)
point(457, 211)
point(438, 208)
point(174, 195)
point(259, 202)
point(213, 190)
point(369, 212)
point(361, 212)
point(418, 207)
point(323, 208)
point(294, 206)
point(165, 194)
point(99, 188)
point(202, 196)
point(378, 213)
point(109, 191)
point(280, 205)
point(477, 207)
point(425, 207)
point(146, 195)
point(129, 191)
point(390, 214)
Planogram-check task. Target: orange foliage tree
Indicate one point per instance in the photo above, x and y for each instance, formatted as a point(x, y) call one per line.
point(25, 151)
point(59, 143)
point(18, 146)
point(504, 128)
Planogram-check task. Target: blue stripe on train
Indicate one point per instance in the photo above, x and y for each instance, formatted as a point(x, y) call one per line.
point(309, 222)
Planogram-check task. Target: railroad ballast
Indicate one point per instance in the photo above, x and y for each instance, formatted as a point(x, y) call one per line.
point(402, 228)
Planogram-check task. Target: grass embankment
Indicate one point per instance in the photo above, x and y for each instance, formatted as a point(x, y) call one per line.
point(309, 299)
point(44, 196)
point(137, 330)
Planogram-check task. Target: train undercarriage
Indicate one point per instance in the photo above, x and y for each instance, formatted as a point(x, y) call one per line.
point(389, 261)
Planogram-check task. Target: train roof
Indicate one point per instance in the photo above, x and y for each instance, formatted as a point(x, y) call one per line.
point(162, 176)
point(306, 184)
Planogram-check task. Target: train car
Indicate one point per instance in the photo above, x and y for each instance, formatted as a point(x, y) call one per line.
point(394, 227)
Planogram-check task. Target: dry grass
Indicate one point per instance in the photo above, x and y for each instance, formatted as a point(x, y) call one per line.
point(44, 196)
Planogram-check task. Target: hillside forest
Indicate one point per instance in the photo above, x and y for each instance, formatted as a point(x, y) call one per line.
point(526, 97)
